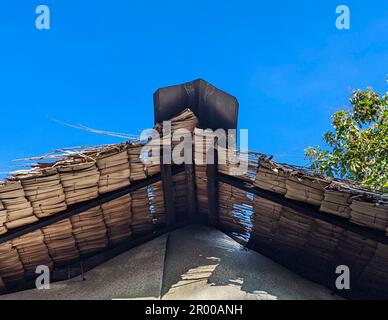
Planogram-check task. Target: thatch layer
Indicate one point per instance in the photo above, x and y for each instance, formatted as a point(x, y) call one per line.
point(82, 234)
point(118, 218)
point(44, 190)
point(305, 189)
point(90, 231)
point(308, 244)
point(61, 242)
point(32, 251)
point(235, 210)
point(18, 208)
point(50, 188)
point(142, 216)
point(136, 165)
point(363, 207)
point(337, 203)
point(180, 195)
point(271, 180)
point(114, 170)
point(316, 248)
point(201, 189)
point(11, 267)
point(199, 157)
point(369, 214)
point(3, 218)
point(79, 179)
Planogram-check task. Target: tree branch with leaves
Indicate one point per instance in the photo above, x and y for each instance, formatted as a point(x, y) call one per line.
point(357, 148)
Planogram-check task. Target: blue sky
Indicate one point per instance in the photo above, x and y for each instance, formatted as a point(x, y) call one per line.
point(101, 61)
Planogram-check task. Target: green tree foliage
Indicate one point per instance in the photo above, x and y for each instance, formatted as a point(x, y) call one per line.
point(357, 148)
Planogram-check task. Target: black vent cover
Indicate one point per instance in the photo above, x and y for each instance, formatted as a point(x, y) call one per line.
point(213, 107)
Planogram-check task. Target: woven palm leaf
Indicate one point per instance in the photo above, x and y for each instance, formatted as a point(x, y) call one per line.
point(118, 218)
point(114, 169)
point(32, 251)
point(137, 167)
point(79, 179)
point(11, 268)
point(369, 213)
point(306, 189)
point(89, 230)
point(336, 202)
point(18, 208)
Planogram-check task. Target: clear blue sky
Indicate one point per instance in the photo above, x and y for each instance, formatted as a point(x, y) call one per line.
point(285, 61)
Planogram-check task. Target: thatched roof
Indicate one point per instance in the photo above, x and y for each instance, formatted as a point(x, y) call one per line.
point(307, 222)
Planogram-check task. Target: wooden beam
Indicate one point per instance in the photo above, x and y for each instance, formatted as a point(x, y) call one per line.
point(166, 175)
point(191, 194)
point(212, 190)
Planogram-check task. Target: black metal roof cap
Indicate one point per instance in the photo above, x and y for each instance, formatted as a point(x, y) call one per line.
point(214, 108)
